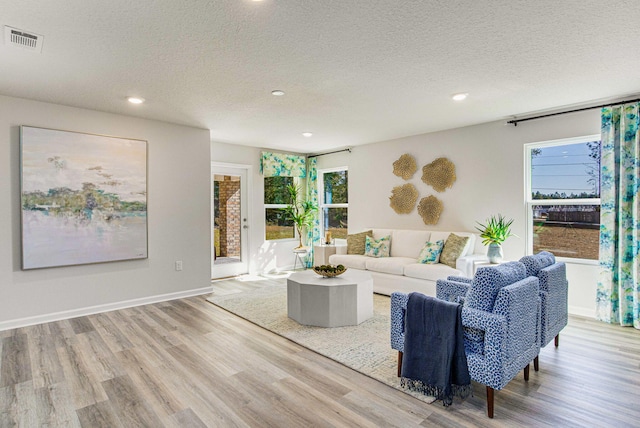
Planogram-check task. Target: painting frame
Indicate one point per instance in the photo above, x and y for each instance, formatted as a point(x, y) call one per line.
point(83, 198)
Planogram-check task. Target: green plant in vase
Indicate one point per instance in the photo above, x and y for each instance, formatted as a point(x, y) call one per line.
point(300, 211)
point(494, 232)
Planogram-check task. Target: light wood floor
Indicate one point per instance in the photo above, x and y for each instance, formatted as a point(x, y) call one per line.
point(188, 363)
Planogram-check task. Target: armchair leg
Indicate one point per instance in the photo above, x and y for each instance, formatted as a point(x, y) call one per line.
point(490, 402)
point(399, 363)
point(526, 372)
point(557, 340)
point(536, 363)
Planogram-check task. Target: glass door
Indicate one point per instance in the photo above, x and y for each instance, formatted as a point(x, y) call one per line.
point(229, 223)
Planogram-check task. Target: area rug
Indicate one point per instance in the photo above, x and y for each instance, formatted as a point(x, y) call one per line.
point(364, 348)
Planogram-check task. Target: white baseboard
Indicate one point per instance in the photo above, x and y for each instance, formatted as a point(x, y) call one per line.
point(583, 312)
point(57, 316)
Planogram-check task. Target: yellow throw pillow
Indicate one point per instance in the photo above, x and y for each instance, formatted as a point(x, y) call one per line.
point(453, 247)
point(355, 242)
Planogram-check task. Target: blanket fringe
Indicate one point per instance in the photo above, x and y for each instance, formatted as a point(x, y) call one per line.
point(460, 391)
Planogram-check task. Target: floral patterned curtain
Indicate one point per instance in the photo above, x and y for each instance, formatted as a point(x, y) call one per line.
point(283, 165)
point(290, 165)
point(313, 234)
point(618, 293)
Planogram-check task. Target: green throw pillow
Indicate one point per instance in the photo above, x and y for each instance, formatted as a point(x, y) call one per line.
point(453, 249)
point(430, 253)
point(377, 247)
point(355, 242)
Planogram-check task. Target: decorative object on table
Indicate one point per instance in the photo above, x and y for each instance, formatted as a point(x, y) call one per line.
point(430, 209)
point(83, 198)
point(329, 271)
point(327, 238)
point(403, 198)
point(440, 174)
point(493, 233)
point(300, 211)
point(405, 166)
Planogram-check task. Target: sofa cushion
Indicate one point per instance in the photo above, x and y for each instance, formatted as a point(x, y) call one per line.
point(430, 272)
point(392, 265)
point(408, 243)
point(489, 280)
point(377, 247)
point(355, 242)
point(468, 248)
point(430, 253)
point(454, 247)
point(354, 261)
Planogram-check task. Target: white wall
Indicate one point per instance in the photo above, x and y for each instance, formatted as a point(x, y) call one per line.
point(178, 212)
point(489, 160)
point(264, 256)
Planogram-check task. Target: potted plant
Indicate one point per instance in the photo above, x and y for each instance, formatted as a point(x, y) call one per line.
point(493, 233)
point(300, 211)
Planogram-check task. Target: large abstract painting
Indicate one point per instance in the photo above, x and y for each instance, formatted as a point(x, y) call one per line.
point(84, 198)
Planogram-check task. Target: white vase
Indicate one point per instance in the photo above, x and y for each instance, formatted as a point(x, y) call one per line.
point(494, 253)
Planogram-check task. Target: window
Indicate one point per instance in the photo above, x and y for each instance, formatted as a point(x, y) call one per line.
point(333, 196)
point(276, 198)
point(563, 197)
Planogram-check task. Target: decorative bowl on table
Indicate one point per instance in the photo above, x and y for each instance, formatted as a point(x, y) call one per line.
point(329, 271)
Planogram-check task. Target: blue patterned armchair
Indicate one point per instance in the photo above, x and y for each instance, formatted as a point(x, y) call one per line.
point(554, 289)
point(501, 319)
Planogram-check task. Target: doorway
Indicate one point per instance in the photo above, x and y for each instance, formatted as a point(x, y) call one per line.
point(230, 222)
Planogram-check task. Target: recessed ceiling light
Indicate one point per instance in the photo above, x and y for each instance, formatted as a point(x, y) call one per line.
point(277, 93)
point(459, 97)
point(307, 134)
point(135, 100)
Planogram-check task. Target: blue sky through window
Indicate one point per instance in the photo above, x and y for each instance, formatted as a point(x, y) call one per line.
point(565, 171)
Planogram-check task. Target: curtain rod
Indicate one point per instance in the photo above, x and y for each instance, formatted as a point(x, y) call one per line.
point(516, 121)
point(330, 153)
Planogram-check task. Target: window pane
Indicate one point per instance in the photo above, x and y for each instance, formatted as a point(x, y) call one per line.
point(275, 190)
point(567, 230)
point(335, 221)
point(276, 225)
point(568, 171)
point(335, 187)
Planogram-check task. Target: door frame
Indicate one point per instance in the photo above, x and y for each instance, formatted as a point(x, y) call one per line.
point(246, 198)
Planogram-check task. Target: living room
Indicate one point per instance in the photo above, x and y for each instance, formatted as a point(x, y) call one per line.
point(488, 153)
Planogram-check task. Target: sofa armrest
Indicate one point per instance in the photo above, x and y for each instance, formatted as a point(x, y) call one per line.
point(341, 249)
point(462, 279)
point(398, 310)
point(451, 291)
point(465, 263)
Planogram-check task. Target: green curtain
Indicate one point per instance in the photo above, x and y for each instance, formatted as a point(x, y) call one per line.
point(618, 292)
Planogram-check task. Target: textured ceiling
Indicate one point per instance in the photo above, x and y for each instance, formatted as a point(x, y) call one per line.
point(354, 72)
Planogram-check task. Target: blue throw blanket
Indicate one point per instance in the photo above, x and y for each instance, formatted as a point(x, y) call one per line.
point(434, 361)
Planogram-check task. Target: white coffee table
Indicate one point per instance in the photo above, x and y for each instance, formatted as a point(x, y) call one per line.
point(330, 302)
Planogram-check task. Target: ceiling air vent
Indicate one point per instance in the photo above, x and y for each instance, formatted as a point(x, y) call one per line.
point(23, 39)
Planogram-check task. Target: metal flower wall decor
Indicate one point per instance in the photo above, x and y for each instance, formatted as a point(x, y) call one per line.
point(405, 166)
point(430, 209)
point(403, 198)
point(440, 174)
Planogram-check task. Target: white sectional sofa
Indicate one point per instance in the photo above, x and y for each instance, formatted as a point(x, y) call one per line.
point(401, 271)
